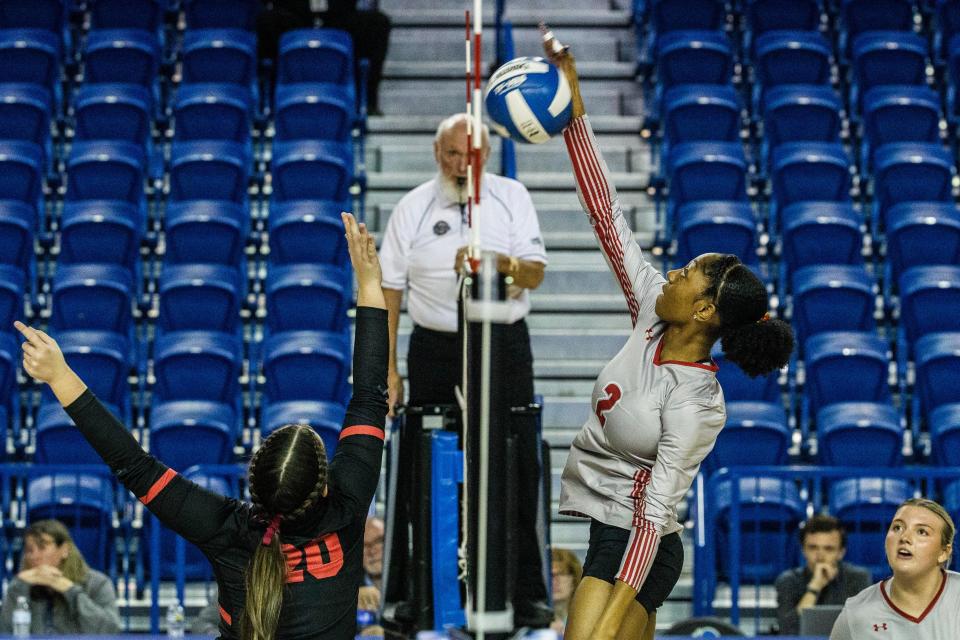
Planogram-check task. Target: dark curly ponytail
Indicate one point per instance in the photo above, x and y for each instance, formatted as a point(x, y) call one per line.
point(748, 337)
point(287, 475)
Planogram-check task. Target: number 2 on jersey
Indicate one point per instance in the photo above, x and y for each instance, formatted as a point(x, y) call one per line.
point(323, 558)
point(607, 403)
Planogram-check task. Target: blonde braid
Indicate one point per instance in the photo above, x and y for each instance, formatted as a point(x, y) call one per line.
point(314, 495)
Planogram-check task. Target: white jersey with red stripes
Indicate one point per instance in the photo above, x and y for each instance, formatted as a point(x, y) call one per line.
point(653, 420)
point(871, 615)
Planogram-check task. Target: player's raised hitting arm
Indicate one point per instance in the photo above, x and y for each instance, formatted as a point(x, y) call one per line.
point(639, 280)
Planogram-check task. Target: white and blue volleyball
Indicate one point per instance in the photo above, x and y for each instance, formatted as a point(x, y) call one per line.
point(529, 99)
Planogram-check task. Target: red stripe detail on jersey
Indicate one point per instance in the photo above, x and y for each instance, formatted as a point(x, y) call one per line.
point(596, 193)
point(713, 366)
point(362, 430)
point(933, 602)
point(158, 486)
point(224, 615)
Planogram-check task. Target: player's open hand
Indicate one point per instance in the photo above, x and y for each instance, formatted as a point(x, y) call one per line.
point(42, 359)
point(366, 264)
point(560, 55)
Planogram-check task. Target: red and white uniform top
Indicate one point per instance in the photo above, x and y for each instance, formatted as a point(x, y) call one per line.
point(871, 615)
point(653, 420)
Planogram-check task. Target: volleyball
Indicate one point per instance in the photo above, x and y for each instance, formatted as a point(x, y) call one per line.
point(528, 99)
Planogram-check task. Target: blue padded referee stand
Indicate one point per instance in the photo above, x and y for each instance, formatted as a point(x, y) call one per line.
point(446, 474)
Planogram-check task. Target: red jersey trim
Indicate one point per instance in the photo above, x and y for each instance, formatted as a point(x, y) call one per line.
point(713, 366)
point(904, 614)
point(158, 486)
point(225, 616)
point(362, 430)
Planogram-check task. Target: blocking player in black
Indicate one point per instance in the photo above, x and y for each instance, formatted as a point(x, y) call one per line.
point(290, 564)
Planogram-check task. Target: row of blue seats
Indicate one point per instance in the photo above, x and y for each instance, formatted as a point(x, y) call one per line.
point(772, 509)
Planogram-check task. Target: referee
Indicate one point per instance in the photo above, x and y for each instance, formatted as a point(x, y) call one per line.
point(423, 247)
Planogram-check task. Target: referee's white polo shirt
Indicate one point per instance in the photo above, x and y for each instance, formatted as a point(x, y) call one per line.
point(425, 231)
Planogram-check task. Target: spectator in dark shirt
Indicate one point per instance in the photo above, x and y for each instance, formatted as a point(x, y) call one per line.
point(825, 579)
point(368, 27)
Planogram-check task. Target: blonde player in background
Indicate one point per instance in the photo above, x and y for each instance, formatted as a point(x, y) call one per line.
point(922, 599)
point(657, 406)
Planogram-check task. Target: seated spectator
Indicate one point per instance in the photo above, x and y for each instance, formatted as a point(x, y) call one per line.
point(567, 572)
point(66, 596)
point(369, 29)
point(207, 622)
point(825, 579)
point(373, 552)
point(922, 599)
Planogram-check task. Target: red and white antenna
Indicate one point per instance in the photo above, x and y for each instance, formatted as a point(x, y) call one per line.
point(474, 127)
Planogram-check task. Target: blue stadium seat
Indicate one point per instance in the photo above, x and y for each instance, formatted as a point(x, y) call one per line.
point(101, 231)
point(948, 25)
point(700, 112)
point(820, 233)
point(315, 55)
point(910, 171)
point(184, 433)
point(199, 296)
point(209, 170)
point(25, 113)
point(876, 15)
point(101, 359)
point(738, 386)
point(219, 55)
point(953, 64)
point(929, 298)
point(859, 434)
point(951, 502)
point(671, 15)
point(18, 222)
point(208, 111)
point(213, 231)
point(694, 57)
point(790, 57)
point(921, 233)
point(866, 506)
point(113, 111)
point(802, 171)
point(326, 418)
point(85, 504)
point(307, 296)
point(311, 170)
point(227, 14)
point(306, 365)
point(48, 15)
point(318, 110)
point(755, 433)
point(58, 441)
point(30, 55)
point(707, 171)
point(944, 428)
point(801, 112)
point(889, 57)
point(106, 170)
point(10, 355)
point(121, 55)
point(937, 358)
point(197, 365)
point(92, 296)
point(832, 298)
point(897, 113)
point(13, 282)
point(127, 14)
point(709, 226)
point(845, 366)
point(783, 15)
point(307, 231)
point(770, 512)
point(21, 171)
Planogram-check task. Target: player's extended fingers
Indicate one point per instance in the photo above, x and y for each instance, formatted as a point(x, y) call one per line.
point(29, 333)
point(349, 223)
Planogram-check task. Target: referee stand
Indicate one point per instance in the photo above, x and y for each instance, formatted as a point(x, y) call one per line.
point(427, 579)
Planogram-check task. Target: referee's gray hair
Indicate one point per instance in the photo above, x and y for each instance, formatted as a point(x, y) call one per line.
point(457, 118)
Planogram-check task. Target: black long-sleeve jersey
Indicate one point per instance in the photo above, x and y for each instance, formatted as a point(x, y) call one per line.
point(324, 549)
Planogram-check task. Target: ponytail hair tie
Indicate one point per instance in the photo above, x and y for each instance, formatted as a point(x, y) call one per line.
point(765, 317)
point(272, 529)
